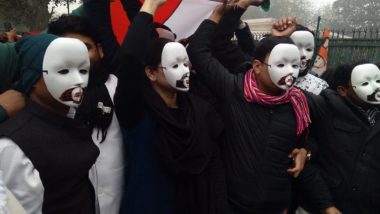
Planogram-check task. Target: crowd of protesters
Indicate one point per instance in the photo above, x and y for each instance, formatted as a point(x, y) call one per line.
point(200, 126)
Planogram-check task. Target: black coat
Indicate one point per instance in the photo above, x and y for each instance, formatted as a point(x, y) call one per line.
point(62, 151)
point(348, 154)
point(169, 149)
point(258, 138)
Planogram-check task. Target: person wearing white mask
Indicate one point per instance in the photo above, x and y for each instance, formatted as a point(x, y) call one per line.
point(171, 136)
point(266, 117)
point(45, 155)
point(303, 38)
point(347, 131)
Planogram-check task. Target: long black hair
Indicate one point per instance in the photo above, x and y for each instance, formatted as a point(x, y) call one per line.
point(342, 74)
point(266, 45)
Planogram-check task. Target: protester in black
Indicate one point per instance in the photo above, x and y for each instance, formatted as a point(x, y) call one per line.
point(347, 129)
point(261, 133)
point(173, 157)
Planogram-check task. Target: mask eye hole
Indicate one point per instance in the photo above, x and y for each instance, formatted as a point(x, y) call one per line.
point(295, 66)
point(364, 84)
point(280, 65)
point(186, 65)
point(377, 81)
point(175, 66)
point(83, 71)
point(309, 49)
point(64, 71)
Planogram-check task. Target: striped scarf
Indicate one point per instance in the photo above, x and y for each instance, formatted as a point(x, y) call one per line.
point(253, 94)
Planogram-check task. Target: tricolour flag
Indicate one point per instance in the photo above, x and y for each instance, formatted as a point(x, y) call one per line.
point(182, 16)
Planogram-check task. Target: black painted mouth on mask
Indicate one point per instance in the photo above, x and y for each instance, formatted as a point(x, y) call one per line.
point(283, 80)
point(305, 69)
point(184, 82)
point(375, 96)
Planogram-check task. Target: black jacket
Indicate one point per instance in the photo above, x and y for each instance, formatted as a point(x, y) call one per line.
point(258, 138)
point(62, 151)
point(348, 156)
point(235, 57)
point(183, 141)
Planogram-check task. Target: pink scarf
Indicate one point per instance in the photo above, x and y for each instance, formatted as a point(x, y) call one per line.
point(253, 94)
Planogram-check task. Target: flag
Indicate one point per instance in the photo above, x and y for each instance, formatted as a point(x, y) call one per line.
point(182, 16)
point(320, 63)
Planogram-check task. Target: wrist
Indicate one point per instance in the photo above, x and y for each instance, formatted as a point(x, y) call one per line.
point(215, 17)
point(242, 25)
point(243, 4)
point(149, 7)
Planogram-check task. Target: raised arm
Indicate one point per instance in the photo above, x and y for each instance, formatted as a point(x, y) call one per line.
point(129, 102)
point(131, 7)
point(231, 55)
point(211, 72)
point(98, 12)
point(245, 39)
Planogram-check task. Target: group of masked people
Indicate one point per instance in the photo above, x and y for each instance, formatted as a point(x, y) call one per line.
point(118, 129)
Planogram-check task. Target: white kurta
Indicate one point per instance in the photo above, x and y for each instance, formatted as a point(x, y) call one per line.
point(107, 175)
point(20, 177)
point(3, 197)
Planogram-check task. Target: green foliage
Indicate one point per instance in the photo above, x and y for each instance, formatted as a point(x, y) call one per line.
point(34, 14)
point(357, 14)
point(341, 14)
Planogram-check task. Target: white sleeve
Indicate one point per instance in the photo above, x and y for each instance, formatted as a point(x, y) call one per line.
point(3, 197)
point(20, 177)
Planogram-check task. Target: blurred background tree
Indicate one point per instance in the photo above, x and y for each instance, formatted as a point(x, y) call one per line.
point(34, 14)
point(335, 14)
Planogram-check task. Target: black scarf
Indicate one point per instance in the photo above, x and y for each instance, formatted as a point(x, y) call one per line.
point(95, 101)
point(186, 147)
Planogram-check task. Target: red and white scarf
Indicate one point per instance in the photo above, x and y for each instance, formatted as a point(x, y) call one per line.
point(253, 94)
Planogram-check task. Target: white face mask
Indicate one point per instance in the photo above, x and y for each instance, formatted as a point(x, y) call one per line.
point(175, 61)
point(365, 80)
point(304, 40)
point(284, 64)
point(66, 65)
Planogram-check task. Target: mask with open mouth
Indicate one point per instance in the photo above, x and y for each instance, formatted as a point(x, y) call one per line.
point(176, 65)
point(66, 65)
point(284, 63)
point(365, 80)
point(72, 95)
point(287, 80)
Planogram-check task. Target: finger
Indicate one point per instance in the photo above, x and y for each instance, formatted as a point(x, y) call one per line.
point(294, 172)
point(286, 20)
point(281, 24)
point(276, 24)
point(293, 153)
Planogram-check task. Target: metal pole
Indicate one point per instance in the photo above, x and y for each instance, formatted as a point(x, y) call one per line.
point(68, 6)
point(316, 40)
point(318, 23)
